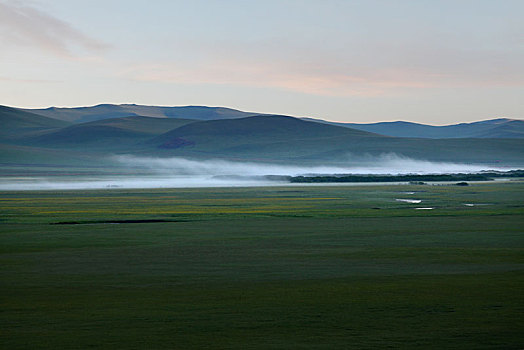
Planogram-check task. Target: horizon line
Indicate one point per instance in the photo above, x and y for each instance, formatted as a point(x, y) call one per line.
point(263, 113)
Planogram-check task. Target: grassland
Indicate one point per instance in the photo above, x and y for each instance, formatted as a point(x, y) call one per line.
point(246, 268)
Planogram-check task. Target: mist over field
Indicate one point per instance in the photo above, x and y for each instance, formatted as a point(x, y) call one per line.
point(112, 182)
point(181, 172)
point(389, 163)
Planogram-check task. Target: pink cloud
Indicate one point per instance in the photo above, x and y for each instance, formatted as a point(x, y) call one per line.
point(273, 75)
point(19, 80)
point(24, 25)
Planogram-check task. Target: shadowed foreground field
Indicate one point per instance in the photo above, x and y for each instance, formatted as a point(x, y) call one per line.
point(241, 268)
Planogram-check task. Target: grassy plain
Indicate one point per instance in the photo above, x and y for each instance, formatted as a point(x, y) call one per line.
point(296, 267)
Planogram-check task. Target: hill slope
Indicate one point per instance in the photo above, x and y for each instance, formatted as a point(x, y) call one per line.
point(106, 111)
point(251, 132)
point(494, 128)
point(268, 138)
point(16, 124)
point(111, 134)
point(260, 126)
point(278, 138)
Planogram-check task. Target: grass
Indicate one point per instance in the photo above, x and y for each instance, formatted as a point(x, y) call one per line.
point(258, 268)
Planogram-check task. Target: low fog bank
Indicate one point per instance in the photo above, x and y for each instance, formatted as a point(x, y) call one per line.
point(115, 182)
point(186, 173)
point(386, 164)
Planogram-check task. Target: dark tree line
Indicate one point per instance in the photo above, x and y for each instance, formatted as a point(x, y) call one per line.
point(484, 176)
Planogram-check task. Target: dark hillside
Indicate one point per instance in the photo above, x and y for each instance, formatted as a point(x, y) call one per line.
point(117, 133)
point(140, 124)
point(257, 129)
point(17, 124)
point(494, 128)
point(280, 138)
point(265, 138)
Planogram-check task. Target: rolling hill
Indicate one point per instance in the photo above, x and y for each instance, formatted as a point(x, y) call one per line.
point(494, 128)
point(256, 129)
point(281, 138)
point(268, 138)
point(106, 111)
point(109, 134)
point(17, 124)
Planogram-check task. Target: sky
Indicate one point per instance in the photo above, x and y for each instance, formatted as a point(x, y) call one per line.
point(428, 61)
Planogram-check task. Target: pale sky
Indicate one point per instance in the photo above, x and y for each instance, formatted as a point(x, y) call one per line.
point(428, 61)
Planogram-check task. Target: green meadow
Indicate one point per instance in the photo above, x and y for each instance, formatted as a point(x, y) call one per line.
point(298, 267)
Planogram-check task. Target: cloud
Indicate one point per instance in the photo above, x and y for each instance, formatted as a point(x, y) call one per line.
point(332, 63)
point(264, 74)
point(21, 24)
point(17, 80)
point(337, 75)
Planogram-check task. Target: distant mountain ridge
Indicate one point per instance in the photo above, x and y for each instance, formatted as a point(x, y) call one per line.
point(493, 128)
point(26, 138)
point(107, 111)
